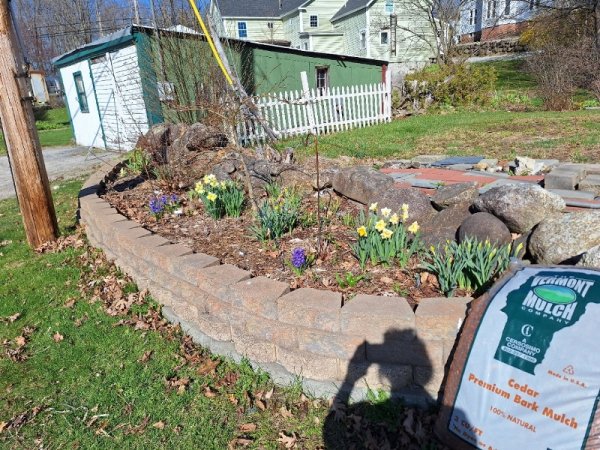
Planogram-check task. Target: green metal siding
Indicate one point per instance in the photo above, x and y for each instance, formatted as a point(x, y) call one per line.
point(267, 71)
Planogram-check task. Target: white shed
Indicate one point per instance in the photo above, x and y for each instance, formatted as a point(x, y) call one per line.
point(104, 92)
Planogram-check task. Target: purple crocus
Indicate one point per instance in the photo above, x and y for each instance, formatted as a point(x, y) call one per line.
point(298, 257)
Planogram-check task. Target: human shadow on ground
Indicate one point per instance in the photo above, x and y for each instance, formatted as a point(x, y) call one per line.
point(383, 421)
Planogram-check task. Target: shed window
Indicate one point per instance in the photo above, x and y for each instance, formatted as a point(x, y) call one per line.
point(384, 38)
point(242, 30)
point(322, 79)
point(81, 95)
point(314, 21)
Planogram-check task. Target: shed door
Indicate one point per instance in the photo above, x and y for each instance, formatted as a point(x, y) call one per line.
point(120, 98)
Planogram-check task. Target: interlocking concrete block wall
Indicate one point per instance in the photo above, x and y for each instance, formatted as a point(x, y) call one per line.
point(370, 342)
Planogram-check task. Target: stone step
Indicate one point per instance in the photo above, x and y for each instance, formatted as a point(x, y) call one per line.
point(567, 193)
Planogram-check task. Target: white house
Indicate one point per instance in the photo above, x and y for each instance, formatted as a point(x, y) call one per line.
point(484, 20)
point(391, 30)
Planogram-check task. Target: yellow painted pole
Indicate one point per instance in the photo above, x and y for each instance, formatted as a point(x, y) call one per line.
point(210, 42)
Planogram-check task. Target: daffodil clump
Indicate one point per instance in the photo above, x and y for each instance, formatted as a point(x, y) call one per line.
point(471, 265)
point(220, 198)
point(385, 236)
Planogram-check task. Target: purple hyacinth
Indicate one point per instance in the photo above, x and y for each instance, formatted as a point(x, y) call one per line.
point(157, 205)
point(298, 258)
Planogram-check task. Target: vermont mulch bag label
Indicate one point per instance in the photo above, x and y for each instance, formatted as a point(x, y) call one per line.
point(526, 371)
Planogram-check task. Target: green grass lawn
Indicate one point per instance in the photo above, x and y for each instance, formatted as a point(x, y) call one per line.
point(53, 127)
point(571, 136)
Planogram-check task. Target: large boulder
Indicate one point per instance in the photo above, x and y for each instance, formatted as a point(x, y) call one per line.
point(520, 206)
point(455, 194)
point(419, 205)
point(444, 226)
point(484, 227)
point(564, 238)
point(591, 258)
point(361, 183)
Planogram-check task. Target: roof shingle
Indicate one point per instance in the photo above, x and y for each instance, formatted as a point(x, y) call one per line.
point(257, 8)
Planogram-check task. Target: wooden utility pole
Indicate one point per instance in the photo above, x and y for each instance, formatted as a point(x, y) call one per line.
point(22, 142)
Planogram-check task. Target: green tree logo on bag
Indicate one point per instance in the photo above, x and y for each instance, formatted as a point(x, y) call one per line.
point(547, 303)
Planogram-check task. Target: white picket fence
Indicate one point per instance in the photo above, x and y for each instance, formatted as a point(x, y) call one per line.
point(318, 111)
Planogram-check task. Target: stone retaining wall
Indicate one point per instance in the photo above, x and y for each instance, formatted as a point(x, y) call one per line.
point(371, 341)
point(489, 47)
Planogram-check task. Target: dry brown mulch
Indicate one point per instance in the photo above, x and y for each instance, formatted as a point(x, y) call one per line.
point(230, 240)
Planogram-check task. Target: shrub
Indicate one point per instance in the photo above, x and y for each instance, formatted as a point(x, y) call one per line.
point(225, 198)
point(452, 85)
point(279, 213)
point(471, 265)
point(384, 238)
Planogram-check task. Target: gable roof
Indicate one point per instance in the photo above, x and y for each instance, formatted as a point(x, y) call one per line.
point(258, 8)
point(350, 7)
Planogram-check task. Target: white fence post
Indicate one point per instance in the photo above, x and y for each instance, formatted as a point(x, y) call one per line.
point(310, 113)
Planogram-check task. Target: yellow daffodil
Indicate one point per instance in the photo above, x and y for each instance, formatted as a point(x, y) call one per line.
point(394, 220)
point(385, 212)
point(211, 196)
point(432, 248)
point(519, 248)
point(386, 234)
point(209, 179)
point(414, 228)
point(373, 207)
point(380, 226)
point(404, 212)
point(199, 188)
point(362, 231)
point(223, 184)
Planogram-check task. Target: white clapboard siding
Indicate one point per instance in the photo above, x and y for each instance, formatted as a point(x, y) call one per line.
point(319, 111)
point(120, 98)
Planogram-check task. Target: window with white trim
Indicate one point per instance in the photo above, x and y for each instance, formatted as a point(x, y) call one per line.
point(472, 14)
point(322, 79)
point(491, 9)
point(384, 37)
point(242, 28)
point(314, 21)
point(363, 39)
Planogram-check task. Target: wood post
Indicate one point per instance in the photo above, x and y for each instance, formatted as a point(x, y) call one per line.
point(22, 142)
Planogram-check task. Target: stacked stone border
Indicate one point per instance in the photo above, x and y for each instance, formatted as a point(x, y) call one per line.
point(372, 342)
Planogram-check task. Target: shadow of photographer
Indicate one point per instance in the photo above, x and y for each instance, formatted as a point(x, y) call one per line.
point(381, 420)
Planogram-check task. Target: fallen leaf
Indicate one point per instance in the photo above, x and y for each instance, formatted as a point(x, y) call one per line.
point(248, 427)
point(386, 280)
point(208, 366)
point(20, 341)
point(424, 277)
point(146, 356)
point(285, 413)
point(209, 392)
point(159, 425)
point(2, 426)
point(287, 441)
point(57, 337)
point(260, 405)
point(239, 442)
point(69, 303)
point(10, 319)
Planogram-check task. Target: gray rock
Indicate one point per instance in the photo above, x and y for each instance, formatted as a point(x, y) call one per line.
point(455, 194)
point(563, 238)
point(484, 227)
point(361, 183)
point(419, 206)
point(444, 226)
point(325, 178)
point(591, 258)
point(520, 206)
point(591, 184)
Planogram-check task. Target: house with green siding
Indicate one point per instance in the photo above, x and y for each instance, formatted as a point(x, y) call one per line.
point(119, 86)
point(397, 31)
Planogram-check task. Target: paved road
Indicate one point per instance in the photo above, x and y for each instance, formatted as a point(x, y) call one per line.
point(61, 162)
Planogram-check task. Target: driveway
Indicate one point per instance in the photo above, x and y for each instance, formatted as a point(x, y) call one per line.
point(61, 162)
